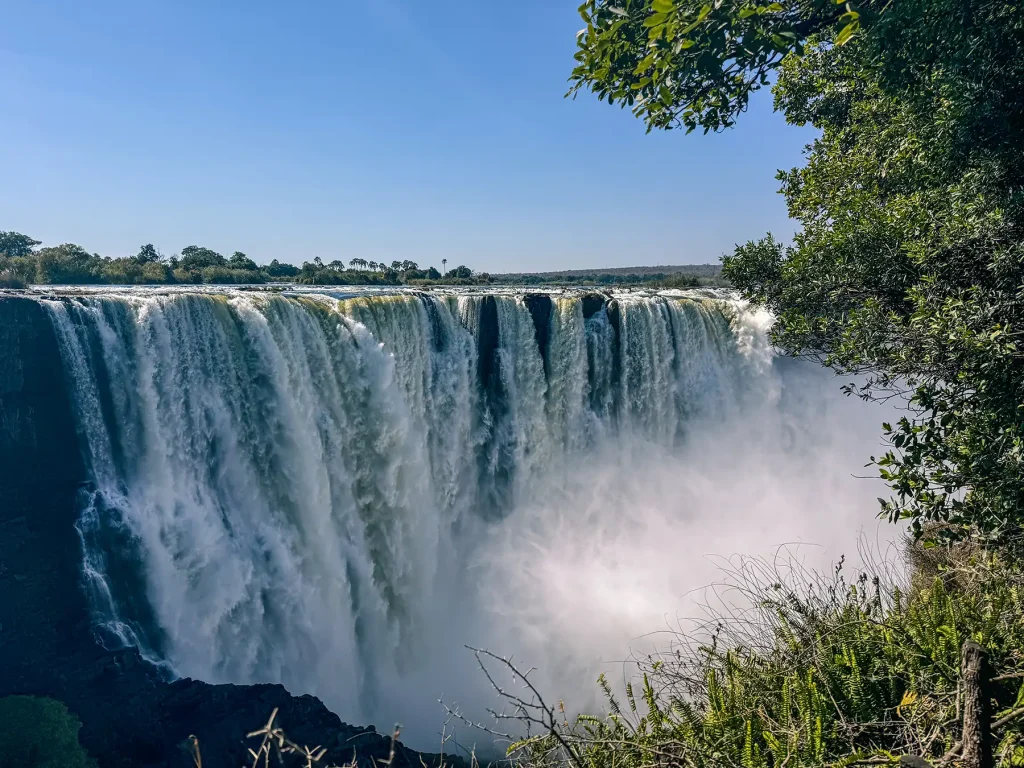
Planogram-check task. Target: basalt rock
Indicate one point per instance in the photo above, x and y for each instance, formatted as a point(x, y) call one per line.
point(540, 306)
point(592, 304)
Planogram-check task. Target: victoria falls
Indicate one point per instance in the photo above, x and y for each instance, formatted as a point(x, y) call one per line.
point(339, 491)
point(610, 384)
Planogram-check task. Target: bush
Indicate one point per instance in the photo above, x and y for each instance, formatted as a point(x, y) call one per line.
point(39, 733)
point(154, 272)
point(67, 264)
point(20, 268)
point(226, 276)
point(9, 279)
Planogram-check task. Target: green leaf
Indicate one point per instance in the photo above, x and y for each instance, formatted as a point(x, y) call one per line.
point(644, 65)
point(847, 32)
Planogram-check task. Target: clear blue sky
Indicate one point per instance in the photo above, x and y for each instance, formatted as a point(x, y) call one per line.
point(387, 129)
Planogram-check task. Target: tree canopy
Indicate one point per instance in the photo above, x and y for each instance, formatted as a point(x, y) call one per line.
point(239, 260)
point(197, 257)
point(147, 254)
point(15, 244)
point(39, 733)
point(908, 269)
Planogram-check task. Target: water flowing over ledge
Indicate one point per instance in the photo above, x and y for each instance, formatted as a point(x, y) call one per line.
point(290, 486)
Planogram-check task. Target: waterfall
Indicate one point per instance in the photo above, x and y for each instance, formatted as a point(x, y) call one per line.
point(291, 486)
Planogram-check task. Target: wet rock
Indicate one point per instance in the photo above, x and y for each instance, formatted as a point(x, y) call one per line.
point(540, 307)
point(592, 304)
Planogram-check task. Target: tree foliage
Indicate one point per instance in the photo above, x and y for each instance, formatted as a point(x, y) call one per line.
point(15, 244)
point(691, 63)
point(39, 733)
point(196, 257)
point(908, 269)
point(67, 263)
point(147, 254)
point(239, 260)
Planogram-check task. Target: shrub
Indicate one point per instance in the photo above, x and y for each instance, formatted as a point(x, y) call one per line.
point(226, 276)
point(155, 272)
point(39, 733)
point(9, 279)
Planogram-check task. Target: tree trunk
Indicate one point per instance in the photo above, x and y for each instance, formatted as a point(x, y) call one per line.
point(977, 739)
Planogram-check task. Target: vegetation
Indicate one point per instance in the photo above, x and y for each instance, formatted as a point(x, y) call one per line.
point(39, 733)
point(908, 275)
point(654, 277)
point(9, 279)
point(815, 672)
point(22, 263)
point(909, 265)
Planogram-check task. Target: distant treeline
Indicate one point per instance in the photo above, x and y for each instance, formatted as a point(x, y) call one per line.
point(689, 276)
point(23, 263)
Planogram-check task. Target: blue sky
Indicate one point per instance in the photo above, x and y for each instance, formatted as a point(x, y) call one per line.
point(387, 129)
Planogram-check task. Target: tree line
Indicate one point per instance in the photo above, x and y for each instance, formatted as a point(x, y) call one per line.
point(650, 280)
point(23, 262)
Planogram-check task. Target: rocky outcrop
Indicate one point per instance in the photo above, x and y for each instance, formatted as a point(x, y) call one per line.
point(592, 304)
point(496, 476)
point(132, 714)
point(540, 306)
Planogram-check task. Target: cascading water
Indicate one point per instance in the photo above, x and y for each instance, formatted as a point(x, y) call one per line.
point(336, 492)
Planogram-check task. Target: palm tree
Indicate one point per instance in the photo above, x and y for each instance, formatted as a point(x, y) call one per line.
point(444, 267)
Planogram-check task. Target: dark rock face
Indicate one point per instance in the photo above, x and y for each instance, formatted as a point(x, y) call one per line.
point(42, 614)
point(592, 304)
point(131, 714)
point(540, 307)
point(615, 320)
point(488, 337)
point(495, 461)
